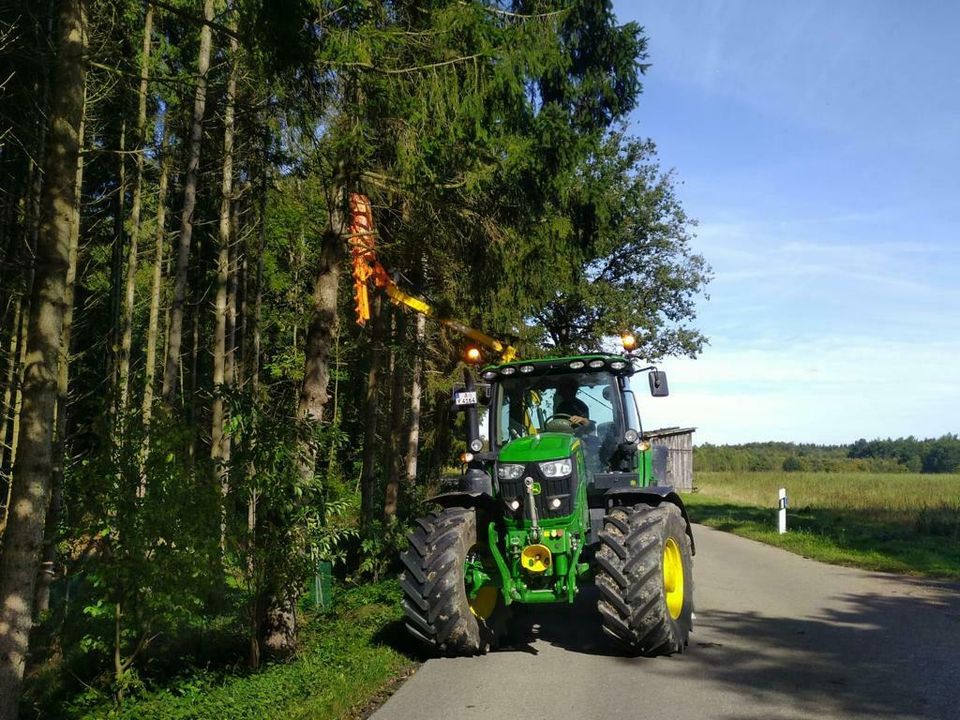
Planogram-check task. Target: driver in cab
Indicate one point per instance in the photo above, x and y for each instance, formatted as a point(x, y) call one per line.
point(567, 403)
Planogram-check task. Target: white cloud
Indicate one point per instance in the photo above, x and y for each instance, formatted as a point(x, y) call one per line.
point(829, 392)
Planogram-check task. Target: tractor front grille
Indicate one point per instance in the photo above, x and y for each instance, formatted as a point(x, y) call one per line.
point(564, 489)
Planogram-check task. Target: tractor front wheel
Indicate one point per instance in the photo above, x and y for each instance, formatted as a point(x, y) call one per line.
point(645, 578)
point(442, 606)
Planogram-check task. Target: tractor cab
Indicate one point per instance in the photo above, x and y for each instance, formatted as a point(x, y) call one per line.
point(587, 399)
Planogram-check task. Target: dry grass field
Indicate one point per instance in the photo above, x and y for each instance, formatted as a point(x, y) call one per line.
point(897, 522)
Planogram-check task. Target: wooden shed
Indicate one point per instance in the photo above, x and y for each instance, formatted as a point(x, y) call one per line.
point(678, 443)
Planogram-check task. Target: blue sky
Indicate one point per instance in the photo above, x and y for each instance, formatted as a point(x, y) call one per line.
point(818, 145)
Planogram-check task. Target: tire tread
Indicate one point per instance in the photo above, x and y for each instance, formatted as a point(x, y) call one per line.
point(632, 604)
point(435, 604)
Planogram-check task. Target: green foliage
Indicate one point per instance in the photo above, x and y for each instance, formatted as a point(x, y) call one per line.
point(636, 270)
point(290, 521)
point(143, 509)
point(792, 464)
point(344, 660)
point(380, 549)
point(941, 455)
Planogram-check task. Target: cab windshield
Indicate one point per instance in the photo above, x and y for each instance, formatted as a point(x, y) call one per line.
point(583, 404)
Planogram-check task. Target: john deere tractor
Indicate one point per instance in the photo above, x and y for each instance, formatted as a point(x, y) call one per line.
point(565, 492)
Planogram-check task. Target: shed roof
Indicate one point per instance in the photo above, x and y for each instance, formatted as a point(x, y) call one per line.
point(668, 432)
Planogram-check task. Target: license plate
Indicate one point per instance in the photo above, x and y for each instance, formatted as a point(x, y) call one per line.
point(465, 398)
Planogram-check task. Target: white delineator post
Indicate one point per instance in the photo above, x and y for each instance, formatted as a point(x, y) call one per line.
point(782, 512)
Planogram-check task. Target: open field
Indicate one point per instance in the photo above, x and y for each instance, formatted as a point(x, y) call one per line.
point(894, 522)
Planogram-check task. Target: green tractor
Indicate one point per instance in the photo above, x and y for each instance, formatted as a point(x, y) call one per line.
point(566, 492)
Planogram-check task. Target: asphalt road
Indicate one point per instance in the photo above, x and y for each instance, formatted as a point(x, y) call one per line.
point(776, 636)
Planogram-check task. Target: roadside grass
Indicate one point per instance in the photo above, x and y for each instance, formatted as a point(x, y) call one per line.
point(900, 523)
point(349, 657)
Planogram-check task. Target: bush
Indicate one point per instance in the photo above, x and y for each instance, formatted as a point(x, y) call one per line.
point(792, 464)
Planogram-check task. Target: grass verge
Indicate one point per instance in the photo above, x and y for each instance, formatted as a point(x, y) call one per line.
point(349, 658)
point(892, 523)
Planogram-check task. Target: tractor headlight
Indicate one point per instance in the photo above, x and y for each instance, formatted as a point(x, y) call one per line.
point(556, 468)
point(513, 505)
point(508, 471)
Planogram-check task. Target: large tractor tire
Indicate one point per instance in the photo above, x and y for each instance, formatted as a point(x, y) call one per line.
point(645, 578)
point(438, 604)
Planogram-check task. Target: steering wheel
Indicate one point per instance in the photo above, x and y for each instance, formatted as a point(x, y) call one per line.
point(565, 418)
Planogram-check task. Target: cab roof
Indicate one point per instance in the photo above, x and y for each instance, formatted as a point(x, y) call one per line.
point(600, 362)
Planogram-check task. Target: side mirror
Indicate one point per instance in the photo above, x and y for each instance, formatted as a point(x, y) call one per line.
point(658, 383)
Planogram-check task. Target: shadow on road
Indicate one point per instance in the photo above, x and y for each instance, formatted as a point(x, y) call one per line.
point(576, 629)
point(880, 656)
point(885, 656)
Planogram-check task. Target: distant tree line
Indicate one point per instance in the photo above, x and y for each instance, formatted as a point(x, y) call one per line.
point(940, 455)
point(931, 455)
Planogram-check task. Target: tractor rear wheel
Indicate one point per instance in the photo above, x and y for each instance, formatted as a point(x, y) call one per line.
point(441, 610)
point(645, 578)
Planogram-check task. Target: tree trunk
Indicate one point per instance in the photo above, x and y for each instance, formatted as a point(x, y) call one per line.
point(232, 369)
point(21, 359)
point(171, 371)
point(11, 303)
point(51, 531)
point(6, 426)
point(133, 228)
point(241, 307)
point(322, 328)
point(335, 417)
point(192, 381)
point(279, 626)
point(219, 440)
point(33, 470)
point(32, 232)
point(251, 333)
point(256, 598)
point(371, 414)
point(395, 455)
point(117, 275)
point(413, 436)
point(443, 435)
point(160, 239)
point(252, 371)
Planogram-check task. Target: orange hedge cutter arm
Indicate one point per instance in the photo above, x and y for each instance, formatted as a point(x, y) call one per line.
point(367, 269)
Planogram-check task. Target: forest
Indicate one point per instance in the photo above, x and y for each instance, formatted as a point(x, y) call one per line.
point(906, 455)
point(190, 416)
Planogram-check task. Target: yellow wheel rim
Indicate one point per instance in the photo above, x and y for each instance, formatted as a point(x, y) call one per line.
point(483, 605)
point(673, 577)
